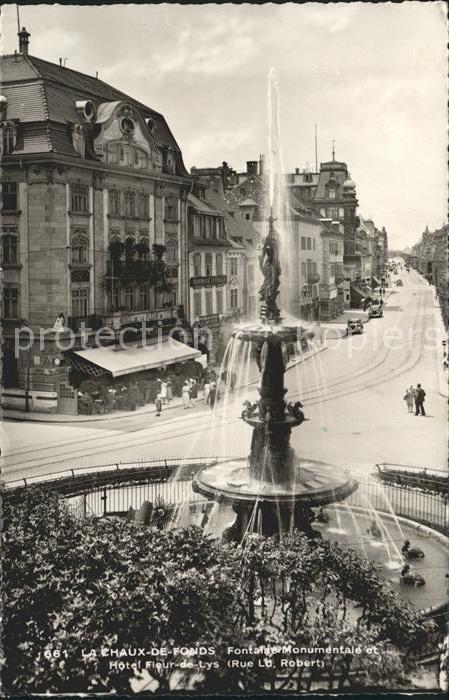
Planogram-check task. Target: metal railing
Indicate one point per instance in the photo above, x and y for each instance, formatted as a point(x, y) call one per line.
point(114, 488)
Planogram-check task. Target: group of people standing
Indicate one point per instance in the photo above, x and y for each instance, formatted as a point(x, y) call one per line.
point(414, 397)
point(192, 388)
point(189, 393)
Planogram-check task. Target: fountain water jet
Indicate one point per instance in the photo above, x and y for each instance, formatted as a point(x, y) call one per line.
point(273, 484)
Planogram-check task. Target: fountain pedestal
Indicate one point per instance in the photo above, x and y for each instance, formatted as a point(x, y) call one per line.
point(273, 490)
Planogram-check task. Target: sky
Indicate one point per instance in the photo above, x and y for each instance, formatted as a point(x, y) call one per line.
point(373, 77)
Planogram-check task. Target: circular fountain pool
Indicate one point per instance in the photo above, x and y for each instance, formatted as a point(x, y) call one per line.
point(348, 527)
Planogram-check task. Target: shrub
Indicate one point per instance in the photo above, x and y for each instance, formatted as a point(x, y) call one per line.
point(72, 584)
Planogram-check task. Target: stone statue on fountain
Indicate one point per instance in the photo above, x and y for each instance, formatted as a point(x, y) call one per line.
point(271, 271)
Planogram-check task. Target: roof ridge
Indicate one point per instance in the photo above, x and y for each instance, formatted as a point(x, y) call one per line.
point(44, 99)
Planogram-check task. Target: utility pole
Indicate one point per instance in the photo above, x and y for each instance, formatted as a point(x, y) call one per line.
point(316, 149)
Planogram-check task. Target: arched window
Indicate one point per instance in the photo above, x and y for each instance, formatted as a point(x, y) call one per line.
point(208, 263)
point(80, 249)
point(197, 265)
point(171, 256)
point(9, 246)
point(143, 249)
point(130, 247)
point(219, 263)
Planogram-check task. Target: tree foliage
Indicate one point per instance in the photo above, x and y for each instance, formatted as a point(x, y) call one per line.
point(72, 586)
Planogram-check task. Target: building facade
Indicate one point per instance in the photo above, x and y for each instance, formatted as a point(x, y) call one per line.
point(94, 217)
point(208, 270)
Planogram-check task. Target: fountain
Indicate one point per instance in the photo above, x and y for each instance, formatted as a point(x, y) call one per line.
point(273, 488)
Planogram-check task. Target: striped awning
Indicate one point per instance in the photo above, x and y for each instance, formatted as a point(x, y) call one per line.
point(119, 360)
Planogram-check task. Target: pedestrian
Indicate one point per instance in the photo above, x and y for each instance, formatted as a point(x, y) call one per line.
point(409, 397)
point(445, 365)
point(163, 391)
point(193, 390)
point(420, 395)
point(212, 394)
point(206, 388)
point(169, 391)
point(158, 403)
point(186, 395)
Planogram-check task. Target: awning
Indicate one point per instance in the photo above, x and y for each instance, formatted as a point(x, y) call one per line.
point(120, 360)
point(357, 294)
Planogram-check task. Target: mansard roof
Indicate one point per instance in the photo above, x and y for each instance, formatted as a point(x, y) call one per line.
point(44, 94)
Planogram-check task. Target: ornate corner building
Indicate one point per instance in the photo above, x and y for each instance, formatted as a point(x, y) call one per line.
point(93, 216)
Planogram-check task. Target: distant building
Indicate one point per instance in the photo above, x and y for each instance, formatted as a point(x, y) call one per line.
point(208, 268)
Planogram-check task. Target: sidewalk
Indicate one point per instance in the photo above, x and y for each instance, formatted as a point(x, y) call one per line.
point(148, 409)
point(441, 335)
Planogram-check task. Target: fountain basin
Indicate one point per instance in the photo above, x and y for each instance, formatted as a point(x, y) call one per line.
point(259, 332)
point(315, 483)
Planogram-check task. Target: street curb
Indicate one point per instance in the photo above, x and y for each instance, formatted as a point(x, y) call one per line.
point(443, 388)
point(54, 417)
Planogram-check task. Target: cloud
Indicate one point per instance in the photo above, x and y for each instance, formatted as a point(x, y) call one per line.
point(212, 49)
point(220, 140)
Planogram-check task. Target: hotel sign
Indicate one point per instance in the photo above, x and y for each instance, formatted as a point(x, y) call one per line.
point(120, 320)
point(209, 281)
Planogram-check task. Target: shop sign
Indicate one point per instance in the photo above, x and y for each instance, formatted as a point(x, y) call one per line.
point(209, 281)
point(121, 320)
point(210, 320)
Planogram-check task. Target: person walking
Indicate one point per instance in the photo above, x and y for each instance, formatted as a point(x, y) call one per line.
point(193, 391)
point(169, 391)
point(206, 389)
point(420, 395)
point(158, 402)
point(212, 394)
point(409, 398)
point(186, 395)
point(163, 391)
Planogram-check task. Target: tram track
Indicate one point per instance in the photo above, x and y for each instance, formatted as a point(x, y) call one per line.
point(197, 424)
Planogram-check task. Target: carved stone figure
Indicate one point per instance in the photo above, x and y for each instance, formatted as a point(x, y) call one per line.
point(271, 271)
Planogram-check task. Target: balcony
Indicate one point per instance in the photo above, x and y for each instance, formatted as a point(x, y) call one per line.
point(131, 270)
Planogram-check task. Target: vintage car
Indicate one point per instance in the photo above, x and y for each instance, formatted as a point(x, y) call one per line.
point(375, 310)
point(354, 326)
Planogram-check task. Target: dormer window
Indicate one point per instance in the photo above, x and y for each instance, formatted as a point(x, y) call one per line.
point(127, 125)
point(9, 138)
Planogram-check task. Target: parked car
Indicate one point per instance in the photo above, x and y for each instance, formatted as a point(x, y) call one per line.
point(354, 326)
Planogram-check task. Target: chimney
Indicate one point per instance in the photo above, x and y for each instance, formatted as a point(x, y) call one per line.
point(24, 40)
point(261, 164)
point(296, 171)
point(251, 167)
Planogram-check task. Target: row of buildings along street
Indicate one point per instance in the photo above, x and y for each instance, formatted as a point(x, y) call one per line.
point(104, 227)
